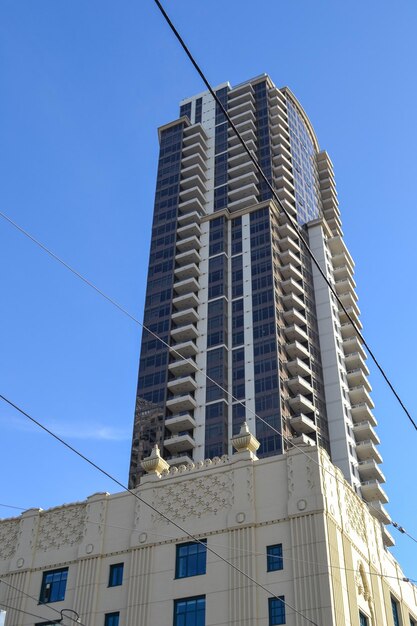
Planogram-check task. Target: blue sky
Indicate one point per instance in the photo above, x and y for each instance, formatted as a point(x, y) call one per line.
point(84, 87)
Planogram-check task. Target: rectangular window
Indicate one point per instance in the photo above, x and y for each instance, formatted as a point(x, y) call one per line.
point(116, 575)
point(190, 611)
point(412, 621)
point(53, 586)
point(111, 619)
point(395, 612)
point(191, 560)
point(363, 620)
point(276, 611)
point(274, 558)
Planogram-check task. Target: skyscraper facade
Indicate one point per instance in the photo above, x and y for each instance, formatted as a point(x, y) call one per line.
point(251, 332)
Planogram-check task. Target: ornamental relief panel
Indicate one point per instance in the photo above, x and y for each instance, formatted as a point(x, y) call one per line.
point(64, 527)
point(9, 532)
point(206, 495)
point(355, 514)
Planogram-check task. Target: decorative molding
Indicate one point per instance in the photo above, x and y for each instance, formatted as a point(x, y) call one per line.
point(61, 527)
point(355, 513)
point(194, 498)
point(9, 532)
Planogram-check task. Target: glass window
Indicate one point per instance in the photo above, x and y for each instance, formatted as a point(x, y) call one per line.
point(395, 612)
point(53, 586)
point(412, 621)
point(276, 611)
point(111, 619)
point(116, 575)
point(274, 558)
point(190, 560)
point(190, 611)
point(363, 620)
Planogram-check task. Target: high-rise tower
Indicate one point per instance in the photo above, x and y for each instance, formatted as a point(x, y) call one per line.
point(232, 289)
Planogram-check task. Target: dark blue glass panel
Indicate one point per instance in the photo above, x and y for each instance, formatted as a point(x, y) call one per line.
point(53, 587)
point(274, 558)
point(116, 575)
point(190, 559)
point(276, 611)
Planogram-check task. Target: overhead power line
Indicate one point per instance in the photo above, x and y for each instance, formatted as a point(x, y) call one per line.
point(151, 506)
point(290, 218)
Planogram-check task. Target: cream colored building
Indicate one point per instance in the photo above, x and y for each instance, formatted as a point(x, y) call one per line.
point(115, 561)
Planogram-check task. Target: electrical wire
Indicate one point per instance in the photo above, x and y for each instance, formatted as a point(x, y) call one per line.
point(13, 608)
point(10, 506)
point(171, 348)
point(52, 608)
point(292, 221)
point(148, 504)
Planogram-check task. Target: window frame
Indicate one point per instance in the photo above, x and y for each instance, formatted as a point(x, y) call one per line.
point(363, 616)
point(116, 571)
point(45, 598)
point(396, 613)
point(108, 616)
point(271, 602)
point(274, 562)
point(179, 559)
point(187, 600)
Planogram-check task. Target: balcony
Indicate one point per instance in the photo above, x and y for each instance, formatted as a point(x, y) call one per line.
point(297, 384)
point(359, 394)
point(242, 203)
point(354, 361)
point(190, 243)
point(240, 166)
point(295, 333)
point(189, 218)
point(344, 285)
point(364, 431)
point(184, 333)
point(288, 243)
point(186, 301)
point(369, 470)
point(247, 181)
point(362, 412)
point(186, 349)
point(293, 316)
point(367, 450)
point(242, 103)
point(243, 191)
point(187, 257)
point(189, 206)
point(179, 404)
point(341, 271)
point(188, 285)
point(291, 286)
point(182, 367)
point(180, 459)
point(180, 422)
point(353, 344)
point(187, 271)
point(379, 511)
point(297, 350)
point(372, 490)
point(302, 424)
point(302, 439)
point(182, 385)
point(179, 443)
point(249, 137)
point(188, 230)
point(292, 301)
point(290, 271)
point(191, 170)
point(193, 159)
point(388, 539)
point(188, 316)
point(298, 367)
point(243, 114)
point(301, 404)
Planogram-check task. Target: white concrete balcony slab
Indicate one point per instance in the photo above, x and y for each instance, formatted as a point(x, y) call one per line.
point(388, 540)
point(303, 424)
point(292, 301)
point(354, 360)
point(186, 301)
point(244, 167)
point(181, 403)
point(298, 385)
point(288, 243)
point(194, 159)
point(359, 394)
point(180, 422)
point(301, 404)
point(244, 191)
point(241, 104)
point(341, 271)
point(187, 271)
point(370, 470)
point(191, 243)
point(347, 330)
point(187, 316)
point(243, 203)
point(286, 195)
point(283, 170)
point(180, 459)
point(358, 376)
point(195, 192)
point(291, 271)
point(367, 450)
point(182, 367)
point(187, 257)
point(239, 159)
point(281, 147)
point(298, 367)
point(241, 115)
point(281, 139)
point(184, 333)
point(337, 246)
point(189, 285)
point(353, 344)
point(361, 413)
point(292, 286)
point(348, 299)
point(297, 350)
point(179, 443)
point(295, 333)
point(294, 316)
point(182, 385)
point(236, 148)
point(246, 180)
point(342, 259)
point(372, 490)
point(188, 230)
point(345, 285)
point(190, 206)
point(194, 131)
point(302, 439)
point(281, 159)
point(187, 349)
point(189, 218)
point(194, 149)
point(379, 511)
point(364, 431)
point(353, 312)
point(193, 169)
point(246, 122)
point(249, 137)
point(239, 95)
point(288, 256)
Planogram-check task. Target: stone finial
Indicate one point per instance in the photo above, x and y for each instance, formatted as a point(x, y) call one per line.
point(154, 463)
point(244, 441)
